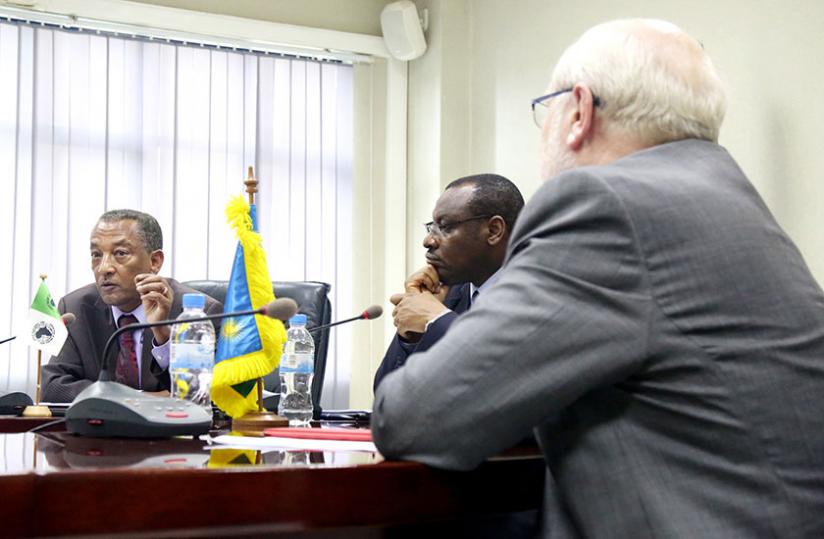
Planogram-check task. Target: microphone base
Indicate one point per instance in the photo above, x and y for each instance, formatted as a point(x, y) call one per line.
point(253, 424)
point(109, 409)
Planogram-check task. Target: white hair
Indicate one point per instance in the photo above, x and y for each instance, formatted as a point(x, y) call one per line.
point(654, 81)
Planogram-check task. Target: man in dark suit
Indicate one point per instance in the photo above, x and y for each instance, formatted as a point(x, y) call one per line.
point(465, 246)
point(126, 256)
point(652, 323)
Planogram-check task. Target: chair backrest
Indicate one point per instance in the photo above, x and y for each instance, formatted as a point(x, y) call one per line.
point(312, 298)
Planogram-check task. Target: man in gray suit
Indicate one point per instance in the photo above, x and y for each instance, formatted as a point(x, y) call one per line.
point(652, 322)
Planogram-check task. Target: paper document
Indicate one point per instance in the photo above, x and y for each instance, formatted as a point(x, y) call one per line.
point(275, 442)
point(327, 433)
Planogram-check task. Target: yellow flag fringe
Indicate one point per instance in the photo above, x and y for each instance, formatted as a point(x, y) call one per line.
point(259, 363)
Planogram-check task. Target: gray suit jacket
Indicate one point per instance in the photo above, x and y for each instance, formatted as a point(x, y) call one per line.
point(665, 339)
point(78, 363)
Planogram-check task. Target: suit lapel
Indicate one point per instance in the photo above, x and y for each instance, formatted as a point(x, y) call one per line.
point(101, 314)
point(462, 304)
point(457, 299)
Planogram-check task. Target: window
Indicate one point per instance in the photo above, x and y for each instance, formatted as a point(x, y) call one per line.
point(92, 121)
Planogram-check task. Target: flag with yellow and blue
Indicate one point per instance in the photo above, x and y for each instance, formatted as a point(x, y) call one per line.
point(249, 347)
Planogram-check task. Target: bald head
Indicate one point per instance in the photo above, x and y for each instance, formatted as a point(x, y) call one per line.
point(655, 83)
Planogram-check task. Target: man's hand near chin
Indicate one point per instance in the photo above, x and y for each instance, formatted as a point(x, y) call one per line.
point(413, 311)
point(422, 301)
point(426, 279)
point(157, 297)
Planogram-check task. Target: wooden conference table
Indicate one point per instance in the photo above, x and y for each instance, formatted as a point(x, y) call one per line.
point(54, 483)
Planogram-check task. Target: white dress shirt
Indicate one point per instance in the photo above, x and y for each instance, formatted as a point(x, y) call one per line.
point(474, 291)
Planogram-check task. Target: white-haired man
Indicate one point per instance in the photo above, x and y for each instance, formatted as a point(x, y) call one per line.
point(652, 322)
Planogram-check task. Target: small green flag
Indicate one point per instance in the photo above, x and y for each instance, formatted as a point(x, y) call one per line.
point(43, 301)
point(45, 329)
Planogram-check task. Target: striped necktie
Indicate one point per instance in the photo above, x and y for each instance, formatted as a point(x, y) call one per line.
point(127, 370)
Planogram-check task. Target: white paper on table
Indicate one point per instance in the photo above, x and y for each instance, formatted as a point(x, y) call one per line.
point(276, 442)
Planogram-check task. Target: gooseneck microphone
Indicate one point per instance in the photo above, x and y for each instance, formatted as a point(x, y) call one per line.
point(370, 313)
point(281, 309)
point(107, 408)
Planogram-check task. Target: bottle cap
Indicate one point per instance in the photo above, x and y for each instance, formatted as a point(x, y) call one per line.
point(194, 301)
point(298, 320)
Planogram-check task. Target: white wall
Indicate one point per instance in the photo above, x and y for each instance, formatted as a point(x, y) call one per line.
point(768, 52)
point(438, 119)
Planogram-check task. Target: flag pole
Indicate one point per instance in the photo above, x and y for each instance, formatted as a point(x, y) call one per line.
point(251, 184)
point(253, 424)
point(37, 410)
point(37, 389)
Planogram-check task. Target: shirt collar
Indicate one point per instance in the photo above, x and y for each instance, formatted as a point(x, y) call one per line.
point(489, 282)
point(138, 313)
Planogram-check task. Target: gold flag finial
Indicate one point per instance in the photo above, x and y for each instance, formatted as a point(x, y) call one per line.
point(251, 184)
point(43, 276)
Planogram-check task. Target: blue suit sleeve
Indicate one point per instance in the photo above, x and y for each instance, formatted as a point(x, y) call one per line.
point(436, 330)
point(399, 351)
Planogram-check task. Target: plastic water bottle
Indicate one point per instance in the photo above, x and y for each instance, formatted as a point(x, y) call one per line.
point(297, 367)
point(192, 354)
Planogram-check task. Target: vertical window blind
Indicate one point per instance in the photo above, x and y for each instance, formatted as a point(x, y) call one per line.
point(92, 122)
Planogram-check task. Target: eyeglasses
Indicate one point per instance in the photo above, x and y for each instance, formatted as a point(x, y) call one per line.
point(539, 112)
point(441, 229)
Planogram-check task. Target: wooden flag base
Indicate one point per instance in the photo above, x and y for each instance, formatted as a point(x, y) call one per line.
point(37, 411)
point(254, 423)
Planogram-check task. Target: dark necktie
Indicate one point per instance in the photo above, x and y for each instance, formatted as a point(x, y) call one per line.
point(127, 369)
point(474, 297)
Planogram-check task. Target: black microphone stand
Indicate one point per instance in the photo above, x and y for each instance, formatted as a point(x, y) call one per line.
point(339, 322)
point(105, 376)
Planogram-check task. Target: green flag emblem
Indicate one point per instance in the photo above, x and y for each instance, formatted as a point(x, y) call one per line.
point(44, 303)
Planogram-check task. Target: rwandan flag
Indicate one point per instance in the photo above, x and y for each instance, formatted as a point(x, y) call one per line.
point(248, 347)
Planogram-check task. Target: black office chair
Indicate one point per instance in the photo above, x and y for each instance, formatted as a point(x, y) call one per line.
point(312, 298)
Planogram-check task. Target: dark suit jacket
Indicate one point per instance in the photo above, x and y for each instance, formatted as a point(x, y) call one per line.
point(665, 339)
point(78, 363)
point(456, 300)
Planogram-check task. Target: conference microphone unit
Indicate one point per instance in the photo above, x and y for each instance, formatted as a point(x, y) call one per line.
point(109, 409)
point(370, 313)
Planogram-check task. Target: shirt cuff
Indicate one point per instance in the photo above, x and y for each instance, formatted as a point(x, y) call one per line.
point(440, 314)
point(161, 353)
